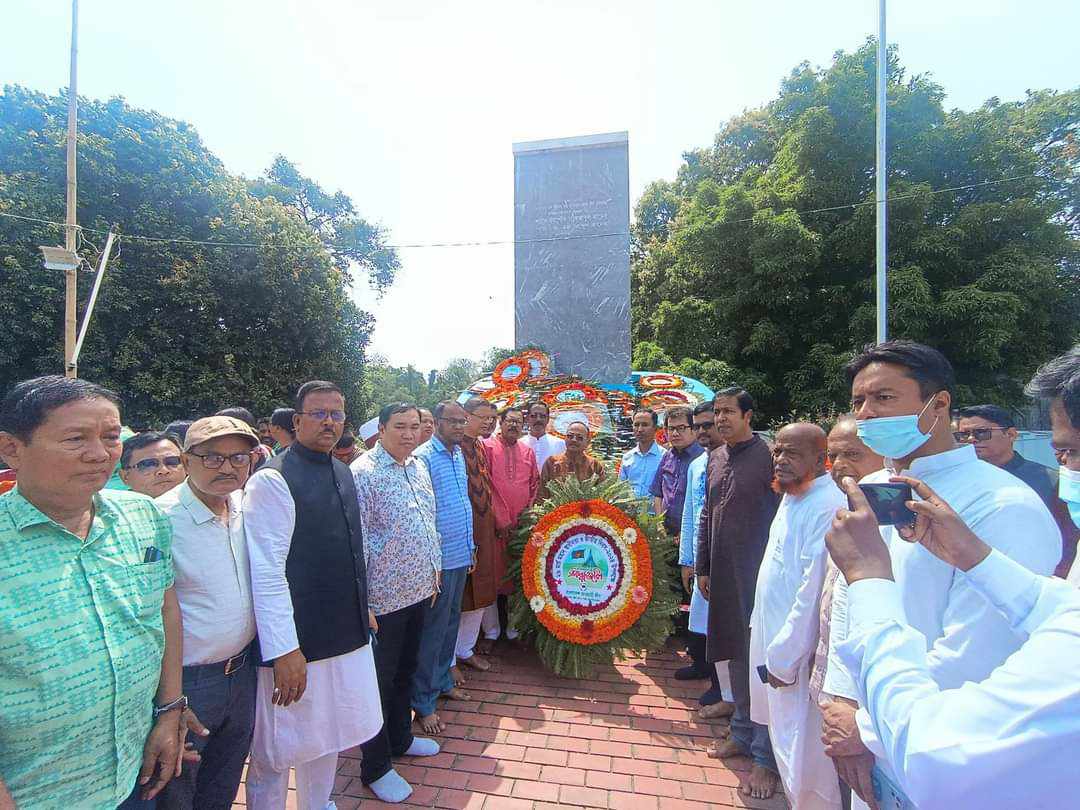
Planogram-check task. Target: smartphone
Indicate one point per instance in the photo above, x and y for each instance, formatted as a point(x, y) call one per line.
point(889, 502)
point(763, 673)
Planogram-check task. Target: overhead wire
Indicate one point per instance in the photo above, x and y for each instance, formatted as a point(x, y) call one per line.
point(121, 236)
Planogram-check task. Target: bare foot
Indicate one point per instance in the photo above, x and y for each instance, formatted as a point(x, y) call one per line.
point(456, 694)
point(431, 724)
point(723, 749)
point(476, 662)
point(485, 646)
point(762, 783)
point(457, 675)
point(716, 710)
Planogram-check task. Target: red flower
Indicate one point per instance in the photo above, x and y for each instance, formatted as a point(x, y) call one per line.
point(587, 628)
point(586, 510)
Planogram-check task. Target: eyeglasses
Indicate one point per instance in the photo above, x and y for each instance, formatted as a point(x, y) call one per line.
point(456, 421)
point(150, 464)
point(322, 416)
point(213, 461)
point(678, 428)
point(704, 425)
point(978, 434)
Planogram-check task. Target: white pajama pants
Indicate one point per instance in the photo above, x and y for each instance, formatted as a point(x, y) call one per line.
point(468, 632)
point(268, 789)
point(490, 624)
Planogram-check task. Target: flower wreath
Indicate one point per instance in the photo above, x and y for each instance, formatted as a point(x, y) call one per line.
point(588, 590)
point(573, 392)
point(660, 380)
point(511, 372)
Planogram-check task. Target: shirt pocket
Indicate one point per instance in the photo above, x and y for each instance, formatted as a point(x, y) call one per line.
point(146, 589)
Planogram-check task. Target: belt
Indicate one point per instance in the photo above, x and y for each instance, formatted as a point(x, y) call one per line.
point(228, 666)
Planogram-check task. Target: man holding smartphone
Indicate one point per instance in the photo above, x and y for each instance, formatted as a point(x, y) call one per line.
point(901, 396)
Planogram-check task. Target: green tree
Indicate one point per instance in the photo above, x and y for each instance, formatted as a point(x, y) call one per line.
point(180, 329)
point(760, 254)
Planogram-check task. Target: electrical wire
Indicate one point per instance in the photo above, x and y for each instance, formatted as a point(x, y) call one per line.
point(486, 243)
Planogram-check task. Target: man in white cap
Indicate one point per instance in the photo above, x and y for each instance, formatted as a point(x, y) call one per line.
point(213, 586)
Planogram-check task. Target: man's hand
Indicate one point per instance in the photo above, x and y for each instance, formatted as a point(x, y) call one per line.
point(472, 565)
point(189, 723)
point(6, 802)
point(688, 578)
point(940, 530)
point(839, 731)
point(855, 771)
point(372, 622)
point(290, 678)
point(776, 683)
point(161, 754)
point(703, 586)
point(854, 540)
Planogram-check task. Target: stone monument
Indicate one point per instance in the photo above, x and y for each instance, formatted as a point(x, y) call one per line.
point(572, 253)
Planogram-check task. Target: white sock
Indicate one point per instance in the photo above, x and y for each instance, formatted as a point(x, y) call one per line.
point(422, 747)
point(390, 787)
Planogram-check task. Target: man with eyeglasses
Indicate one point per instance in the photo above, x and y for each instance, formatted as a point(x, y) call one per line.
point(714, 704)
point(992, 430)
point(544, 445)
point(317, 691)
point(669, 484)
point(454, 521)
point(213, 586)
point(150, 464)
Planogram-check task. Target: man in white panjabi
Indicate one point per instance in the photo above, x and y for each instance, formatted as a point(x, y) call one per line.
point(318, 692)
point(901, 399)
point(784, 624)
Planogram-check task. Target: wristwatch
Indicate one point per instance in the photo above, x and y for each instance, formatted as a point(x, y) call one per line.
point(180, 703)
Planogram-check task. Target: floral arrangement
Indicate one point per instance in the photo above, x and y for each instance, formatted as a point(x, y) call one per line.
point(588, 587)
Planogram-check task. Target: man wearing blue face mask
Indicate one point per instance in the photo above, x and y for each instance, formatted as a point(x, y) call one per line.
point(1059, 383)
point(901, 395)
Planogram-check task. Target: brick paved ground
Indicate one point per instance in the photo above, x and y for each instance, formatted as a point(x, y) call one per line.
point(627, 739)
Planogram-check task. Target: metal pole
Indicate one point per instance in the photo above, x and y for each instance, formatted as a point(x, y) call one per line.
point(93, 296)
point(71, 231)
point(881, 173)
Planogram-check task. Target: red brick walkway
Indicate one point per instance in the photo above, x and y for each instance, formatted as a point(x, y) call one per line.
point(627, 739)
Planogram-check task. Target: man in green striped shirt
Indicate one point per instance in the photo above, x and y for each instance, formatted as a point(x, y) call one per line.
point(90, 683)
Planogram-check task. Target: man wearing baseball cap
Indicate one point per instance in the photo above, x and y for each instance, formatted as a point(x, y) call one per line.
point(213, 585)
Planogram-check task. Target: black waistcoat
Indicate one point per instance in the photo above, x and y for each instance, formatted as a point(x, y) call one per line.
point(325, 567)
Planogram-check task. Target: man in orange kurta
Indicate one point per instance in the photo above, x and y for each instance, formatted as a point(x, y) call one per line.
point(575, 461)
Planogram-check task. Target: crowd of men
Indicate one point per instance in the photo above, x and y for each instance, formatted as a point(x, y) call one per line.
point(174, 604)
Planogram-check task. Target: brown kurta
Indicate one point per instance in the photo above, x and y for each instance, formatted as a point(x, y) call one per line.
point(734, 529)
point(481, 586)
point(561, 466)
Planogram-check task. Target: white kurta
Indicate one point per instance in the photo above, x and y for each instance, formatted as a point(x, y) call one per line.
point(341, 707)
point(694, 502)
point(784, 636)
point(965, 636)
point(1007, 741)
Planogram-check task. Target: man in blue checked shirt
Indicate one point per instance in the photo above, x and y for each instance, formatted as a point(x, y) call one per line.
point(453, 521)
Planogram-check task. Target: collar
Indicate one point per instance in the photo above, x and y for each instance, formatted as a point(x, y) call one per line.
point(383, 458)
point(687, 451)
point(654, 450)
point(436, 442)
point(24, 514)
point(306, 453)
point(819, 483)
point(965, 454)
point(1014, 463)
point(738, 447)
point(198, 511)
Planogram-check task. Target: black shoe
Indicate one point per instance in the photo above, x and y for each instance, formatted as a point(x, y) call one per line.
point(690, 673)
point(712, 695)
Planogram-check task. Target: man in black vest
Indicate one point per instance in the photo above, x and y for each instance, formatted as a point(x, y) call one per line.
point(318, 693)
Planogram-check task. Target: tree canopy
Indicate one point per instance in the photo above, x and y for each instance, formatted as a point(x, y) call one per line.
point(756, 263)
point(180, 329)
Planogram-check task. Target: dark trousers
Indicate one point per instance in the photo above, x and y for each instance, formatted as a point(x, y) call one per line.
point(396, 646)
point(135, 802)
point(695, 648)
point(751, 737)
point(225, 704)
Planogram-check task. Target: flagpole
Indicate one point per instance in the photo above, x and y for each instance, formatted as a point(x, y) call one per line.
point(881, 221)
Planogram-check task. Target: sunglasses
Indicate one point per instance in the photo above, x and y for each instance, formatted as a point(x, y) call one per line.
point(321, 415)
point(704, 425)
point(978, 434)
point(151, 464)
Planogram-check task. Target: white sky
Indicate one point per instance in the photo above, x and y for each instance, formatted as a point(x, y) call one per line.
point(411, 107)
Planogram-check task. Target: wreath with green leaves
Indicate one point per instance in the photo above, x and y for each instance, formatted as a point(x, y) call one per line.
point(590, 566)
